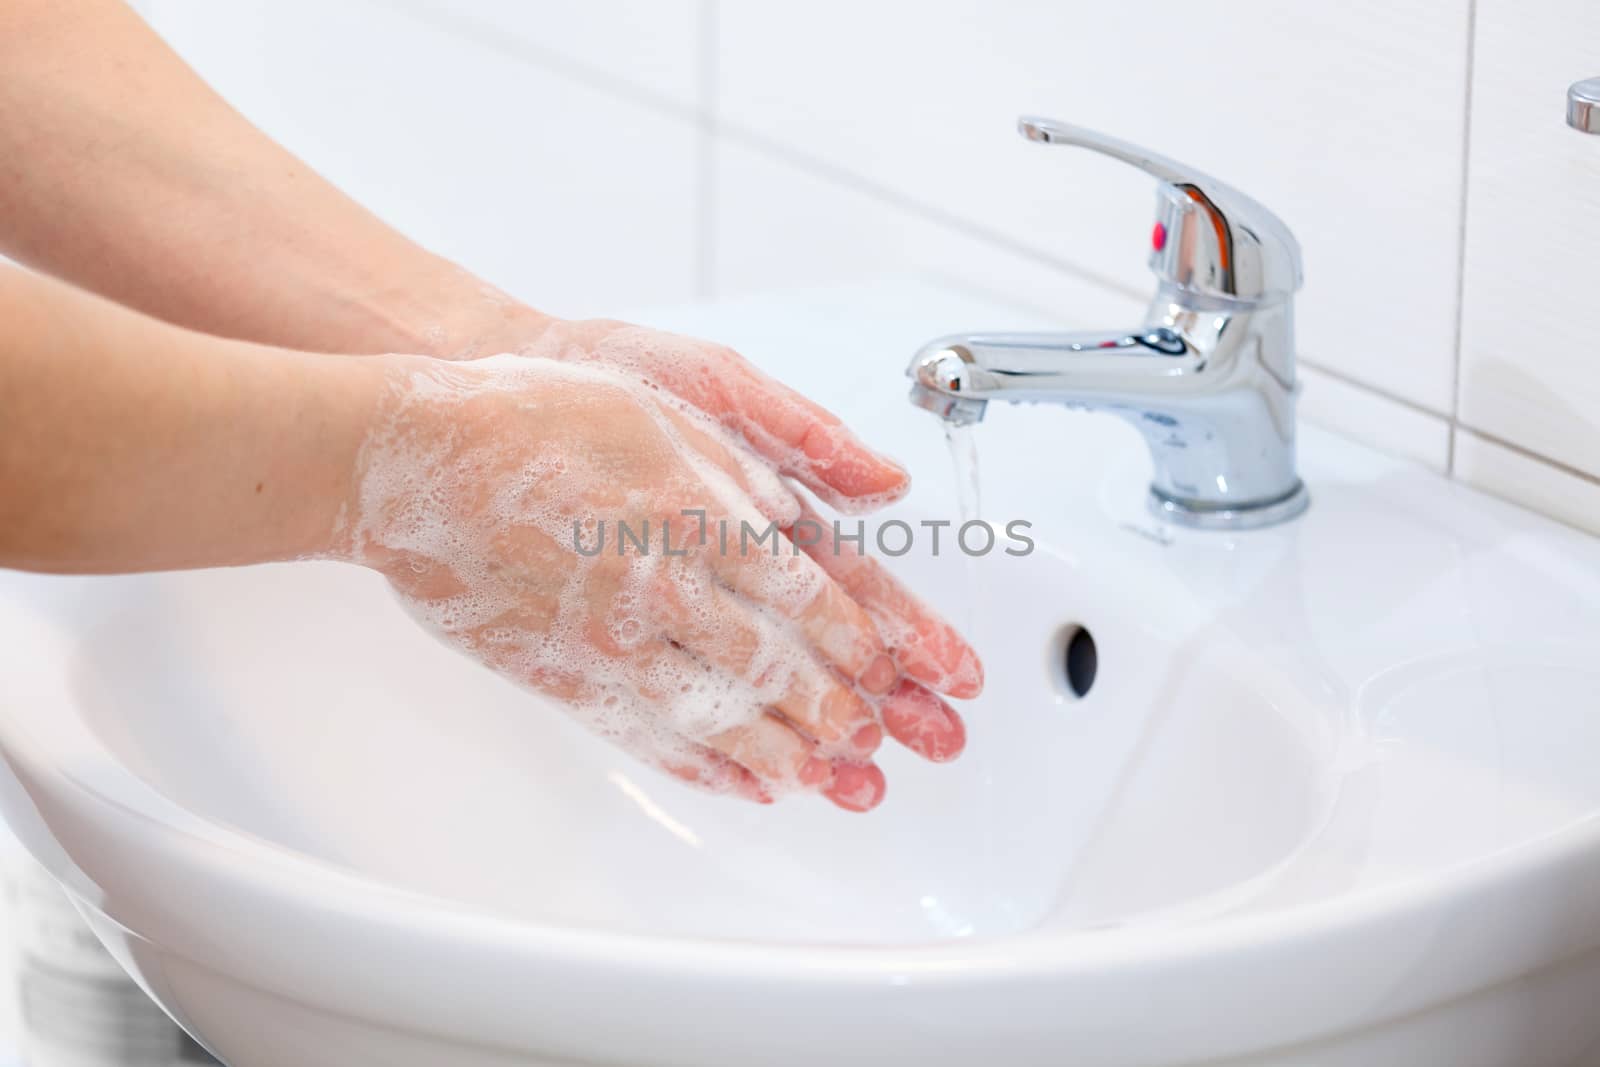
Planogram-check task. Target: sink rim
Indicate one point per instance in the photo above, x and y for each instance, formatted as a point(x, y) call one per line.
point(68, 765)
point(337, 939)
point(302, 929)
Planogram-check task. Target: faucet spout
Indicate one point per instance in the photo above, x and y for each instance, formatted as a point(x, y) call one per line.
point(1208, 378)
point(1211, 391)
point(1089, 369)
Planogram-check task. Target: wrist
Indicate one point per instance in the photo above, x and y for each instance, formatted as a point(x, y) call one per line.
point(445, 312)
point(415, 415)
point(339, 408)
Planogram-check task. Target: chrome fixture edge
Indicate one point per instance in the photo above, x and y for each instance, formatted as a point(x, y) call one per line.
point(1583, 105)
point(1208, 378)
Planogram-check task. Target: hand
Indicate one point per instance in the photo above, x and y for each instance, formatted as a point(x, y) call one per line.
point(807, 443)
point(484, 486)
point(804, 441)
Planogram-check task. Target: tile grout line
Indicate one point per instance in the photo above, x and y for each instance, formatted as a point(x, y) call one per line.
point(473, 28)
point(1529, 454)
point(706, 153)
point(553, 62)
point(949, 220)
point(704, 117)
point(1344, 378)
point(1461, 234)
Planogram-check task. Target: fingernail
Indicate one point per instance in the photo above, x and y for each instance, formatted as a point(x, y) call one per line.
point(815, 771)
point(967, 678)
point(857, 786)
point(880, 675)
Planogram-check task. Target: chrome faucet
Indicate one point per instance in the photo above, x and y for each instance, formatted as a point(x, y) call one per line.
point(1208, 378)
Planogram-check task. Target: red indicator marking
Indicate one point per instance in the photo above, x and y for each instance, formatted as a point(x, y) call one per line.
point(1158, 237)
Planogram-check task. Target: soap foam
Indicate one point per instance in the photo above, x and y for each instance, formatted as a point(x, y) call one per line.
point(704, 375)
point(467, 496)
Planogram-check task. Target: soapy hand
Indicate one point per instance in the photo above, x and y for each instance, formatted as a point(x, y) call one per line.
point(803, 440)
point(494, 494)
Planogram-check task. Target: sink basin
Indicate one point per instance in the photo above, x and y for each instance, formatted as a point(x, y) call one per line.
point(1331, 797)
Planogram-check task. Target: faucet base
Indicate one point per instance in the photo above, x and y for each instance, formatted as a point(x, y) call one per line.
point(1253, 517)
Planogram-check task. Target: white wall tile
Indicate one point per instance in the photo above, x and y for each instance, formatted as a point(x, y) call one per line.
point(567, 196)
point(1345, 118)
point(1374, 419)
point(777, 226)
point(1561, 494)
point(553, 148)
point(653, 46)
point(826, 234)
point(1530, 357)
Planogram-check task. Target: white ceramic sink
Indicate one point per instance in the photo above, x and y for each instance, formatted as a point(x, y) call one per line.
point(1331, 799)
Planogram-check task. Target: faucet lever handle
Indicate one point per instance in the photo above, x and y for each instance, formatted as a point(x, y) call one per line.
point(1210, 238)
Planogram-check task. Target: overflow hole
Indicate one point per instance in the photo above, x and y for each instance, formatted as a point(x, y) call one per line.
point(1075, 660)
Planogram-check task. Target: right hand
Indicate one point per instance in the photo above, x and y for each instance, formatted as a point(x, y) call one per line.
point(487, 483)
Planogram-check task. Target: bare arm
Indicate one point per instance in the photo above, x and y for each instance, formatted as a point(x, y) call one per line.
point(128, 444)
point(123, 172)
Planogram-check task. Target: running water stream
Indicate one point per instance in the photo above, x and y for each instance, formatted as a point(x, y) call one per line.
point(964, 456)
point(969, 504)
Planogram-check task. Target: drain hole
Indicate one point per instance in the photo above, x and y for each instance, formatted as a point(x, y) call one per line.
point(1075, 660)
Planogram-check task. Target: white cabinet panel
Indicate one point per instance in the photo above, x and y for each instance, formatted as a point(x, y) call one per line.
point(568, 197)
point(1345, 118)
point(653, 46)
point(1531, 307)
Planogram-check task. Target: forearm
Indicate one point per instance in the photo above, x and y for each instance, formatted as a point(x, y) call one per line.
point(122, 172)
point(127, 444)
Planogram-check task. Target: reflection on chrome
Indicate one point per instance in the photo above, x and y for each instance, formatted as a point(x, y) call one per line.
point(1208, 378)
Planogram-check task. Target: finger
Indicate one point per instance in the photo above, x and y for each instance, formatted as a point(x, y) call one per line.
point(629, 699)
point(753, 476)
point(924, 646)
point(755, 759)
point(795, 588)
point(720, 628)
point(712, 772)
point(856, 786)
point(810, 443)
point(783, 760)
point(923, 723)
point(803, 439)
point(757, 751)
point(780, 759)
point(826, 710)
